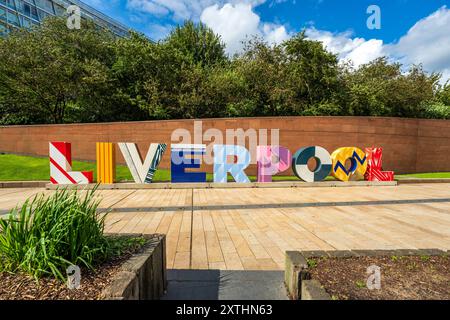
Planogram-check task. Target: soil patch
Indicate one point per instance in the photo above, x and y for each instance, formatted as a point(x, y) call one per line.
point(24, 287)
point(402, 278)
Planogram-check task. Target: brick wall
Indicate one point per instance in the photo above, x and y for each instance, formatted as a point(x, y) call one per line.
point(410, 145)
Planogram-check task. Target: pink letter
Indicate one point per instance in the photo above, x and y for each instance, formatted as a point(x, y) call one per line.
point(265, 162)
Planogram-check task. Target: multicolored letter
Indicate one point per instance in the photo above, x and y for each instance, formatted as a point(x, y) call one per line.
point(375, 166)
point(61, 166)
point(222, 167)
point(106, 162)
point(179, 162)
point(358, 163)
point(142, 172)
point(300, 164)
point(266, 167)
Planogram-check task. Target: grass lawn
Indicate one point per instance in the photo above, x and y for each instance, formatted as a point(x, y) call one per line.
point(24, 168)
point(435, 175)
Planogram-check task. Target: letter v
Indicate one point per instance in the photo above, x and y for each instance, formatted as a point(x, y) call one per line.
point(142, 172)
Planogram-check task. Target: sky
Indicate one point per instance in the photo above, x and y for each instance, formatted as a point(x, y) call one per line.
point(407, 31)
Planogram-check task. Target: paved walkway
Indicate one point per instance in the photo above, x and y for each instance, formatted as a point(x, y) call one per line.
point(225, 285)
point(250, 229)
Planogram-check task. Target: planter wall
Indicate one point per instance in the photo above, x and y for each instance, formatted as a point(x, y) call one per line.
point(143, 276)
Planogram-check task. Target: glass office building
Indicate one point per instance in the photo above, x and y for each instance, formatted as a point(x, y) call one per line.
point(26, 13)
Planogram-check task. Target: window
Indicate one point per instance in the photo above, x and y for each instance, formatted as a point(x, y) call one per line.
point(12, 19)
point(3, 29)
point(26, 23)
point(2, 14)
point(42, 14)
point(11, 4)
point(60, 11)
point(34, 14)
point(27, 9)
point(46, 5)
point(23, 8)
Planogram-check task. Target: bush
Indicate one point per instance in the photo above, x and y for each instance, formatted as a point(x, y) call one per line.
point(437, 110)
point(46, 235)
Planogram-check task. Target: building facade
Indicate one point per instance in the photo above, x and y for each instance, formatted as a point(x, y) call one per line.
point(26, 13)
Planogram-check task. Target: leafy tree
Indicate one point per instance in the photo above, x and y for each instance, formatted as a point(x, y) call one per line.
point(444, 94)
point(54, 75)
point(437, 110)
point(176, 71)
point(298, 77)
point(45, 71)
point(198, 43)
point(312, 73)
point(380, 88)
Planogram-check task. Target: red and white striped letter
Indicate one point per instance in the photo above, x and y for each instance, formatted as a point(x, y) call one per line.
point(61, 166)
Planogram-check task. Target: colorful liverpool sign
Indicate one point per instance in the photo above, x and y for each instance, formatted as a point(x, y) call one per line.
point(345, 164)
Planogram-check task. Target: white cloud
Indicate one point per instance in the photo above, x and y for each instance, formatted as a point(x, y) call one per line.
point(178, 9)
point(232, 22)
point(359, 50)
point(274, 33)
point(427, 42)
point(181, 9)
point(237, 22)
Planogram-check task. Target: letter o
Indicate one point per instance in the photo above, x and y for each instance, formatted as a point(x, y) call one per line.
point(358, 163)
point(300, 164)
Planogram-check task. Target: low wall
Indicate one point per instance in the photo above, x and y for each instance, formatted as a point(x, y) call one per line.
point(143, 276)
point(410, 145)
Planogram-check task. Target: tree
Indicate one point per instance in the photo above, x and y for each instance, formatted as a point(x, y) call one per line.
point(46, 71)
point(443, 94)
point(380, 88)
point(297, 77)
point(312, 73)
point(175, 72)
point(54, 75)
point(197, 42)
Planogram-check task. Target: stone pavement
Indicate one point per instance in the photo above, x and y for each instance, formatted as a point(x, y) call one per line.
point(250, 229)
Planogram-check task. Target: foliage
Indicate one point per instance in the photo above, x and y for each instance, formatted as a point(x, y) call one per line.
point(46, 71)
point(54, 75)
point(437, 110)
point(46, 235)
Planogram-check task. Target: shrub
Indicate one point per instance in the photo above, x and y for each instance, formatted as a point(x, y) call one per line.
point(437, 110)
point(46, 235)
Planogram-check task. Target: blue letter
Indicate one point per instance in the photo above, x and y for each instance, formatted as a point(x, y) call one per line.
point(179, 162)
point(222, 167)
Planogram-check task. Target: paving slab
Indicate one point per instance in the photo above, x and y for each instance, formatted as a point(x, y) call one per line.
point(225, 285)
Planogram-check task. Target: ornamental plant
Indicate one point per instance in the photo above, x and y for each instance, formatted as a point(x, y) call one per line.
point(47, 234)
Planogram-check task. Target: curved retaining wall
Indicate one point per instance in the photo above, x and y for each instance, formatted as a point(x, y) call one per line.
point(410, 145)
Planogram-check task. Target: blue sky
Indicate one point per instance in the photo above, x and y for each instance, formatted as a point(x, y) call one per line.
point(412, 31)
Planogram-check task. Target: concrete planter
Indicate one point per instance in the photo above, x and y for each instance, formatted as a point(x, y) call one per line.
point(143, 276)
